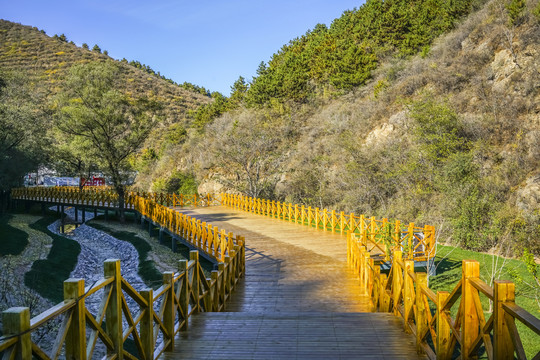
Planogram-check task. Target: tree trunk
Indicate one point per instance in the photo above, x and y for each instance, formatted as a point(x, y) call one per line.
point(121, 195)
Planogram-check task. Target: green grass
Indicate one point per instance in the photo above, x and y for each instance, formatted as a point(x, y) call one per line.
point(12, 240)
point(448, 262)
point(147, 270)
point(47, 276)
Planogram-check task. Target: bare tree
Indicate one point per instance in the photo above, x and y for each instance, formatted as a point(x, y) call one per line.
point(251, 151)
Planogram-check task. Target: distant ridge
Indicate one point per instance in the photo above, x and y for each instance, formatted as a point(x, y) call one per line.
point(46, 60)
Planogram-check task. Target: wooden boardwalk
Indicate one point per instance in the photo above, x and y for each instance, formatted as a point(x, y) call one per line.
point(298, 300)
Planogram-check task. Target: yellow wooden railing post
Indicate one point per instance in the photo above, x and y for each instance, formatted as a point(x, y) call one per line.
point(503, 348)
point(113, 317)
point(16, 320)
point(222, 291)
point(184, 292)
point(341, 222)
point(363, 238)
point(367, 271)
point(469, 321)
point(372, 229)
point(309, 215)
point(76, 334)
point(442, 345)
point(325, 219)
point(147, 324)
point(397, 280)
point(410, 243)
point(376, 287)
point(362, 266)
point(194, 256)
point(408, 293)
point(421, 311)
point(384, 300)
point(168, 310)
point(397, 234)
point(223, 246)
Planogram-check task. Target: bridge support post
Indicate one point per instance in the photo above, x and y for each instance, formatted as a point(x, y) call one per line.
point(95, 212)
point(76, 213)
point(43, 211)
point(17, 320)
point(62, 216)
point(174, 244)
point(83, 214)
point(150, 225)
point(160, 237)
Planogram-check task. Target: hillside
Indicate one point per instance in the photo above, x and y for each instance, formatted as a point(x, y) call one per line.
point(448, 136)
point(46, 60)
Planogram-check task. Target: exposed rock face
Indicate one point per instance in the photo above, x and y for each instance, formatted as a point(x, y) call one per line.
point(382, 133)
point(528, 197)
point(210, 187)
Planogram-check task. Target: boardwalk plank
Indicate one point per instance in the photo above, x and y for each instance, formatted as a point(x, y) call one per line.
point(298, 300)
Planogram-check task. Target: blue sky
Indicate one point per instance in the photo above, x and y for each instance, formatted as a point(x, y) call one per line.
point(205, 42)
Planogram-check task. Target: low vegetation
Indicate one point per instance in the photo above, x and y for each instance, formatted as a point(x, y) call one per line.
point(47, 276)
point(492, 267)
point(12, 240)
point(147, 270)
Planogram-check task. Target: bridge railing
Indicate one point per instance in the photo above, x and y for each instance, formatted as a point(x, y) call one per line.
point(381, 236)
point(211, 240)
point(106, 196)
point(428, 314)
point(161, 313)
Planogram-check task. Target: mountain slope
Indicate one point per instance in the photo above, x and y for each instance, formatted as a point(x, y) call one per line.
point(46, 61)
point(449, 137)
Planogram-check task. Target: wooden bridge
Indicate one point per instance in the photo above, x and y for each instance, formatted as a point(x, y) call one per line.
point(292, 282)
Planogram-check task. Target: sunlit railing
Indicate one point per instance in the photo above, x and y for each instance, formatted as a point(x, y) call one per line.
point(161, 313)
point(381, 236)
point(427, 314)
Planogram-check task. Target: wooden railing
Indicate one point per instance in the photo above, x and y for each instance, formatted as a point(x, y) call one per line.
point(428, 314)
point(106, 196)
point(383, 236)
point(161, 314)
point(210, 239)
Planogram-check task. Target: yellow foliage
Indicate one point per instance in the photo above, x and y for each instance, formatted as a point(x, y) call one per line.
point(60, 53)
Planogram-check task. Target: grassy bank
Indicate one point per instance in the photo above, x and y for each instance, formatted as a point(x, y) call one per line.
point(12, 240)
point(47, 276)
point(492, 267)
point(147, 269)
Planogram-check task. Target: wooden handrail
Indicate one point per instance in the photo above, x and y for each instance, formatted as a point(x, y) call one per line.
point(417, 242)
point(215, 243)
point(438, 334)
point(182, 293)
